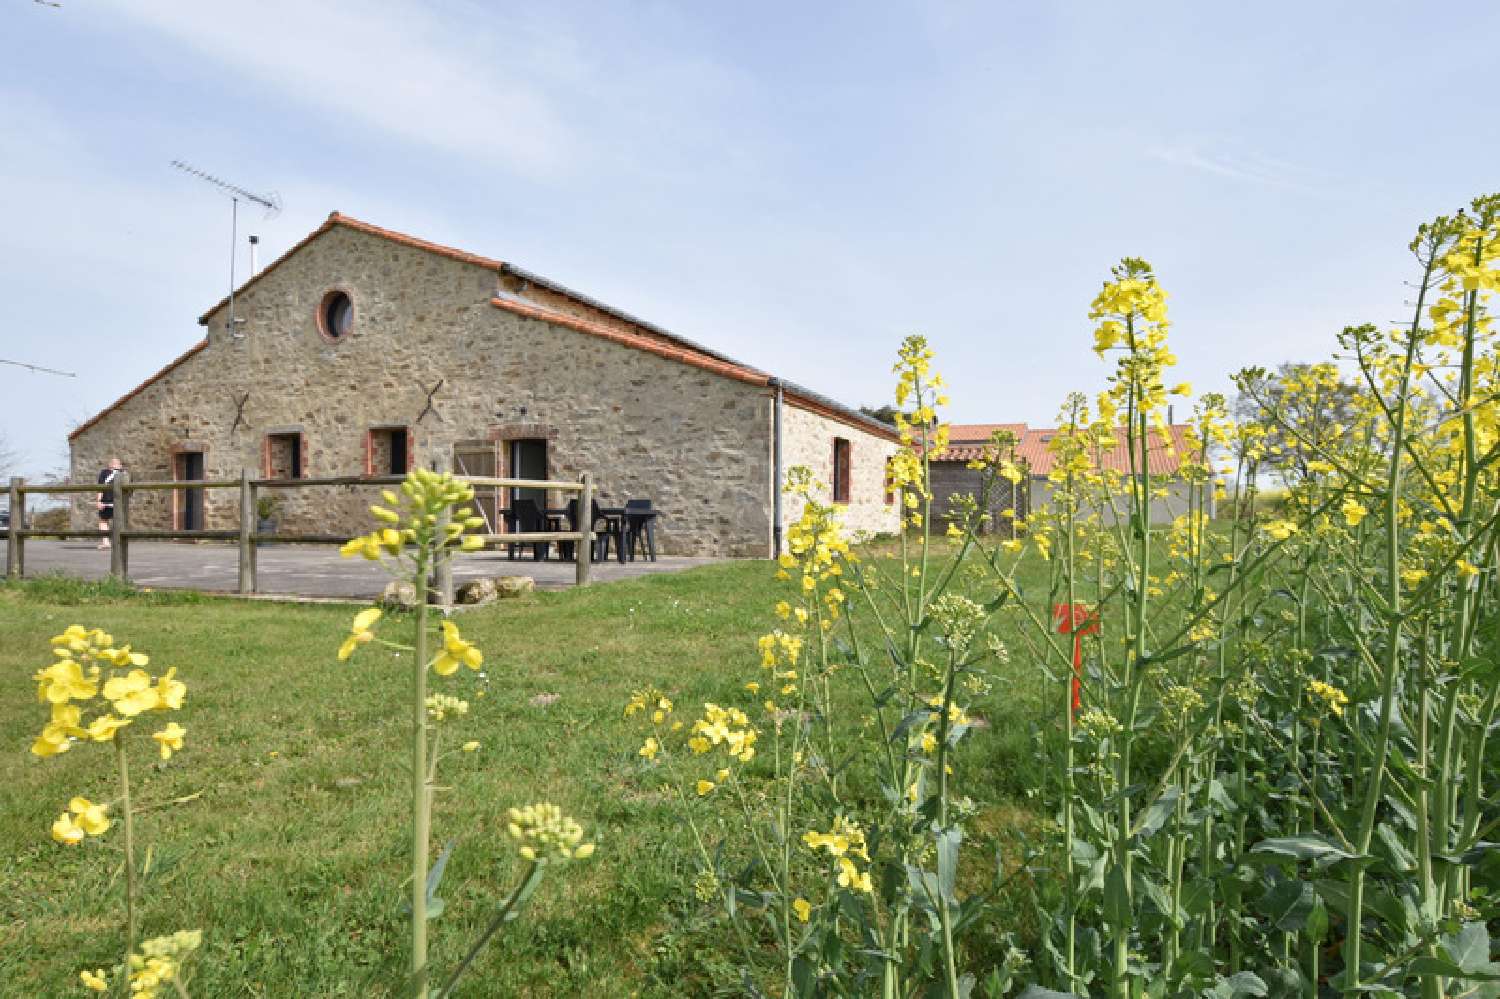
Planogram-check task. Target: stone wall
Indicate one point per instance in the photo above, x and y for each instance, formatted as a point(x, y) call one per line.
point(696, 443)
point(807, 439)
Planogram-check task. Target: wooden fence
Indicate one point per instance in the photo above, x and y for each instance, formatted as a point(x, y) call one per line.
point(121, 534)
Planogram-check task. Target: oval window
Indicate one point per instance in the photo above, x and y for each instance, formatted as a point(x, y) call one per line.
point(336, 317)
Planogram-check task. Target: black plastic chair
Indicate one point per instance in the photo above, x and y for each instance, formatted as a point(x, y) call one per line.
point(528, 519)
point(613, 529)
point(640, 528)
point(567, 549)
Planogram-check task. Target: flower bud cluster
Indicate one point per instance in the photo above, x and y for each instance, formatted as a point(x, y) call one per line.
point(441, 706)
point(543, 833)
point(411, 517)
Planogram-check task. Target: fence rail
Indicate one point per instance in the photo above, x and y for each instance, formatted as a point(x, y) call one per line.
point(121, 534)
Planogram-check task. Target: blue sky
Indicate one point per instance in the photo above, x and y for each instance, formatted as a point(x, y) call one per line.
point(796, 185)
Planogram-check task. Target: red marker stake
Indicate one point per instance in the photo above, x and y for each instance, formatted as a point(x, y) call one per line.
point(1076, 620)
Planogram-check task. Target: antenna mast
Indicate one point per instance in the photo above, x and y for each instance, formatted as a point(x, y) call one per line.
point(270, 202)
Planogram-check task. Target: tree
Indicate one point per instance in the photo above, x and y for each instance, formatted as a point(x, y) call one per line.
point(885, 414)
point(1312, 398)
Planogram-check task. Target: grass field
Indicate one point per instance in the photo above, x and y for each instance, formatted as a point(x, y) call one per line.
point(281, 829)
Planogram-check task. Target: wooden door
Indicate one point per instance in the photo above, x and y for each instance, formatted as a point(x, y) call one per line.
point(188, 467)
point(481, 460)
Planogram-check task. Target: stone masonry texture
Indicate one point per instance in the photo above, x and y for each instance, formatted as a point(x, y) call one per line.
point(694, 442)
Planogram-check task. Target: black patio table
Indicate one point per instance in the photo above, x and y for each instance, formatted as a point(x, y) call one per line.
point(640, 522)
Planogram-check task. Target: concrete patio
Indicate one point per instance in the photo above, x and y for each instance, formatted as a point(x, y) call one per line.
point(301, 570)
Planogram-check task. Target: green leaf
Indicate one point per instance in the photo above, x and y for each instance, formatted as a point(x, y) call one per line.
point(1117, 910)
point(804, 978)
point(1154, 816)
point(1401, 859)
point(1469, 948)
point(1319, 849)
point(435, 907)
point(1037, 992)
point(1288, 904)
point(524, 894)
point(1316, 926)
point(1243, 983)
point(947, 862)
point(435, 873)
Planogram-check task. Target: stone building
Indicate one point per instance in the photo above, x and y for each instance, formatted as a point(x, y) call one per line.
point(362, 351)
point(951, 476)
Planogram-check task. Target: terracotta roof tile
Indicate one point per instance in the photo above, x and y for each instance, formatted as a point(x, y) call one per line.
point(960, 433)
point(1033, 448)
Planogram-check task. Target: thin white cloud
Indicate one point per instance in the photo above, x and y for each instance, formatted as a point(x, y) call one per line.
point(456, 85)
point(1244, 166)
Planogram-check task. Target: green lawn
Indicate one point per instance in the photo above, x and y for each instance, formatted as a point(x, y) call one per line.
point(288, 847)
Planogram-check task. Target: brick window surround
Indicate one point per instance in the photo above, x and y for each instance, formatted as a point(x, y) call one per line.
point(389, 450)
point(336, 304)
point(284, 455)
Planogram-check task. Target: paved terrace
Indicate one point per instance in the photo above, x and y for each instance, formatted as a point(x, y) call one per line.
point(302, 570)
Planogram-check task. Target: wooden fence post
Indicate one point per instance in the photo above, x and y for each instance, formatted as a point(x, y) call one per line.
point(247, 530)
point(119, 557)
point(443, 571)
point(583, 554)
point(15, 544)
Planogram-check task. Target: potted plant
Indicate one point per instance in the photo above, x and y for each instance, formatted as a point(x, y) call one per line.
point(266, 510)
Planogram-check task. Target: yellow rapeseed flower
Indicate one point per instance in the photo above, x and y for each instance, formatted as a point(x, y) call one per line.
point(64, 681)
point(455, 652)
point(132, 693)
point(169, 738)
point(1354, 511)
point(94, 980)
point(170, 691)
point(705, 786)
point(91, 818)
point(103, 728)
point(66, 831)
point(803, 908)
point(1280, 529)
point(1332, 696)
point(359, 632)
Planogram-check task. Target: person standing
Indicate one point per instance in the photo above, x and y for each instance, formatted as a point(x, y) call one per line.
point(106, 502)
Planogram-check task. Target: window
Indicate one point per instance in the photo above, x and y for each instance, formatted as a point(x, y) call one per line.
point(283, 455)
point(336, 315)
point(388, 451)
point(840, 470)
point(890, 483)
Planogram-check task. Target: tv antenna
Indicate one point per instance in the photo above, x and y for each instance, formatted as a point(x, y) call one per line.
point(270, 202)
point(39, 368)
